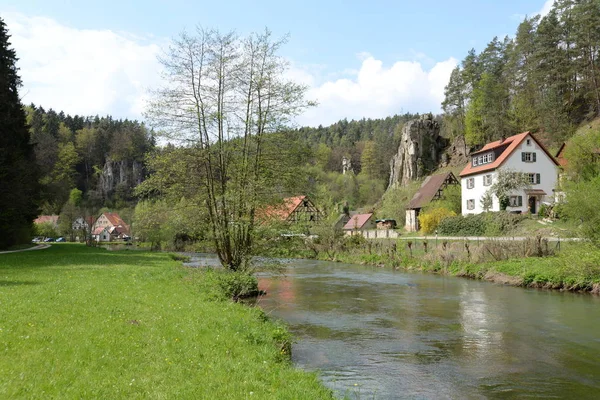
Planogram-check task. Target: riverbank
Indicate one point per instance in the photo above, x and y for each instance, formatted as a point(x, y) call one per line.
point(85, 322)
point(575, 267)
point(533, 262)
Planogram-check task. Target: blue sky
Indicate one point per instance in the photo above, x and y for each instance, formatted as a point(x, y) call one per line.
point(361, 59)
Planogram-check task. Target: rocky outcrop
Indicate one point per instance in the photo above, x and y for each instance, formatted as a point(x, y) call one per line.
point(419, 153)
point(124, 173)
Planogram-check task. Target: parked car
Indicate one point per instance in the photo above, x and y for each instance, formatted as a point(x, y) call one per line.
point(49, 240)
point(36, 240)
point(61, 239)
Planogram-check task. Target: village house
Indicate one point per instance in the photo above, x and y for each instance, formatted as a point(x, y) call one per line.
point(519, 153)
point(293, 210)
point(47, 219)
point(431, 189)
point(108, 227)
point(359, 222)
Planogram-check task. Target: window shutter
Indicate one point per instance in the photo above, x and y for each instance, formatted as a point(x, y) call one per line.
point(533, 159)
point(523, 157)
point(520, 201)
point(537, 179)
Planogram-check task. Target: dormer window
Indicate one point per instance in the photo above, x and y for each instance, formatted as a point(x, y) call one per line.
point(482, 159)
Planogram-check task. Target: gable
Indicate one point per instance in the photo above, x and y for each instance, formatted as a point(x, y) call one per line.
point(431, 189)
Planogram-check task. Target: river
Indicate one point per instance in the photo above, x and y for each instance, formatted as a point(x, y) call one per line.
point(383, 334)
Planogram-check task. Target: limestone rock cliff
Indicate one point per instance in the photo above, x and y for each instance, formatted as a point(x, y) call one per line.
point(125, 173)
point(420, 151)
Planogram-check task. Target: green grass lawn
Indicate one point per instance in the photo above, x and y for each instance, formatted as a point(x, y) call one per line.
point(79, 322)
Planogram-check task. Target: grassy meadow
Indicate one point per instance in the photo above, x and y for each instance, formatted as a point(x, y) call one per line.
point(79, 322)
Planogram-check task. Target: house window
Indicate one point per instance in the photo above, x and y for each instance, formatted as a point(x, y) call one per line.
point(470, 183)
point(471, 204)
point(515, 201)
point(534, 179)
point(528, 157)
point(528, 142)
point(483, 159)
point(487, 180)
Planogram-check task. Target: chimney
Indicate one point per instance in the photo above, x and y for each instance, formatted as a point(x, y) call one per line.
point(502, 139)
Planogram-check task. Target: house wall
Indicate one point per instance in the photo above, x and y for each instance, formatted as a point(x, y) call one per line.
point(476, 193)
point(543, 165)
point(101, 221)
point(412, 223)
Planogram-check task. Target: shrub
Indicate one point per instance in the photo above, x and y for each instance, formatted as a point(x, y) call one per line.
point(237, 285)
point(430, 219)
point(490, 224)
point(222, 284)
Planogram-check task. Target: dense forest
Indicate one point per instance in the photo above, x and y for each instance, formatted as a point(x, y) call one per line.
point(546, 79)
point(101, 156)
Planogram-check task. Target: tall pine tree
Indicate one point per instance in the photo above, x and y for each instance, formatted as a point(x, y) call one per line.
point(18, 174)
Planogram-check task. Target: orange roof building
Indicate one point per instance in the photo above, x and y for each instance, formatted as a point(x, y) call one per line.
point(520, 153)
point(110, 220)
point(292, 209)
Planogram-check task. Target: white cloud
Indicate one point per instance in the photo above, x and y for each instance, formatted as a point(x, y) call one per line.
point(377, 91)
point(546, 8)
point(88, 72)
point(82, 71)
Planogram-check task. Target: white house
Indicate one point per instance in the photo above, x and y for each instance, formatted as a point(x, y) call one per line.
point(520, 153)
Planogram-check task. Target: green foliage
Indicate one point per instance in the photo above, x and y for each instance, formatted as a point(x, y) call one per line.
point(581, 151)
point(72, 151)
point(484, 224)
point(45, 229)
point(395, 200)
point(19, 192)
point(546, 77)
point(237, 285)
point(507, 181)
point(75, 197)
point(451, 200)
point(583, 205)
point(430, 219)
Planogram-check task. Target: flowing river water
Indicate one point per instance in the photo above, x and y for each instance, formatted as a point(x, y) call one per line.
point(383, 334)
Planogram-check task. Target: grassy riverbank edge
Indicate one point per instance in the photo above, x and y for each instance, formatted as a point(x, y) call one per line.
point(576, 268)
point(90, 323)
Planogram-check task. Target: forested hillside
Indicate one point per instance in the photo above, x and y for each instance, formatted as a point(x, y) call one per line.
point(546, 79)
point(369, 144)
point(101, 156)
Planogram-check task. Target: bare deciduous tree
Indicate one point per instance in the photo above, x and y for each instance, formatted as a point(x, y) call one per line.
point(222, 95)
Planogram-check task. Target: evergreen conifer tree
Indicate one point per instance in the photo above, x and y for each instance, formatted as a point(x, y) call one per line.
point(18, 173)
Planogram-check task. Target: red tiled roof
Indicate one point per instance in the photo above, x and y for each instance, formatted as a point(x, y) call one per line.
point(42, 219)
point(284, 210)
point(119, 230)
point(98, 230)
point(357, 221)
point(513, 142)
point(114, 219)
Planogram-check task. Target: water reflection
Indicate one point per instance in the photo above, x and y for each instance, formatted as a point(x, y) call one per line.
point(395, 335)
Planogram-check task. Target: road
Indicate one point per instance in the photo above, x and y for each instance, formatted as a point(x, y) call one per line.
point(38, 247)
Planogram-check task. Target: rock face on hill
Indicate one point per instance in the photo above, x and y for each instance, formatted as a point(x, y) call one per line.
point(420, 151)
point(123, 175)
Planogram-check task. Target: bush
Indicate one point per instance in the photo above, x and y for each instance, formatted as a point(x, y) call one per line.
point(430, 219)
point(490, 224)
point(237, 285)
point(471, 225)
